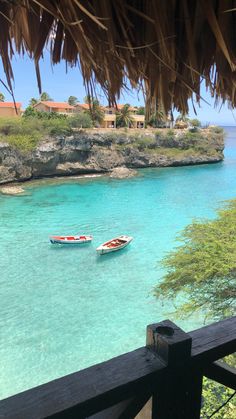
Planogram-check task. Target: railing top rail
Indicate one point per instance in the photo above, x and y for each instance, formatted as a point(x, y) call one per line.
point(90, 390)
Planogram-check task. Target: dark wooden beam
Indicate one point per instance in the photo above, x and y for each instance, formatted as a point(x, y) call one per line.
point(94, 389)
point(89, 391)
point(213, 342)
point(179, 396)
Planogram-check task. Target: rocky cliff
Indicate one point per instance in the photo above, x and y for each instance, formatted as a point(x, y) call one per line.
point(99, 152)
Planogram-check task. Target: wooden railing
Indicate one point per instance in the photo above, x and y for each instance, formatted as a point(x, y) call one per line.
point(167, 372)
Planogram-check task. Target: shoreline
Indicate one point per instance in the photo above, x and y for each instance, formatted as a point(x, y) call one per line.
point(17, 187)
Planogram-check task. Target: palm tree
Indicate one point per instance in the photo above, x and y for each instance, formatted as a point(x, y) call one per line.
point(2, 97)
point(33, 101)
point(123, 117)
point(72, 100)
point(157, 118)
point(44, 97)
point(95, 110)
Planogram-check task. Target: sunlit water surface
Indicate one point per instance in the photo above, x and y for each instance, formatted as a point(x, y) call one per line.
point(63, 309)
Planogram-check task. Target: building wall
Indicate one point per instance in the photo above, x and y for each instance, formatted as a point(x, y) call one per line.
point(41, 107)
point(80, 108)
point(44, 108)
point(109, 121)
point(9, 113)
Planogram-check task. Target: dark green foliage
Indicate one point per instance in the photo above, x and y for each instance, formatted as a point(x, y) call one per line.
point(124, 117)
point(141, 110)
point(45, 97)
point(81, 120)
point(24, 142)
point(214, 395)
point(170, 133)
point(144, 143)
point(31, 112)
point(72, 100)
point(33, 101)
point(95, 111)
point(203, 268)
point(2, 97)
point(25, 133)
point(57, 127)
point(195, 122)
point(157, 119)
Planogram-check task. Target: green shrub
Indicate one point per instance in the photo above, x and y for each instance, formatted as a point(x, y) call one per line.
point(217, 130)
point(25, 133)
point(57, 127)
point(31, 112)
point(143, 143)
point(195, 123)
point(81, 120)
point(10, 126)
point(170, 133)
point(23, 142)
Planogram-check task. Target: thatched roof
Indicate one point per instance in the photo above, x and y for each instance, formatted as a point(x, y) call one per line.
point(167, 46)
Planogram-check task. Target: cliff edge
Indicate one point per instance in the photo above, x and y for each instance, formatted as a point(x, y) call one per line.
point(101, 152)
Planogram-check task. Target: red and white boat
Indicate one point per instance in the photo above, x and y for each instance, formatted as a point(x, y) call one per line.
point(114, 244)
point(70, 239)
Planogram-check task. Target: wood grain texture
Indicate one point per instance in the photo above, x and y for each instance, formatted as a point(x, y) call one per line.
point(94, 389)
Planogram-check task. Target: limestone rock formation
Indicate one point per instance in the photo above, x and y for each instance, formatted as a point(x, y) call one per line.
point(95, 152)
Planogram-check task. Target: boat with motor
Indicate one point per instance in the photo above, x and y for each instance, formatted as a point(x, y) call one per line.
point(70, 239)
point(112, 245)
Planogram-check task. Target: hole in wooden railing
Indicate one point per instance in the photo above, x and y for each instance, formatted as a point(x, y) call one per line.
point(165, 330)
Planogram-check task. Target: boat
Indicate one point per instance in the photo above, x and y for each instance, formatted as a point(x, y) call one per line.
point(70, 239)
point(114, 244)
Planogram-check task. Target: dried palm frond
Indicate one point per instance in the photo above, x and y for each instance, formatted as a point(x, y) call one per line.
point(167, 47)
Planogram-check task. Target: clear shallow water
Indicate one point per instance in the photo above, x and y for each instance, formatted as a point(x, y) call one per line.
point(63, 309)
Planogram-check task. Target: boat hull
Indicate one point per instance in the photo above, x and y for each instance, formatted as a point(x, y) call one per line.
point(68, 240)
point(107, 247)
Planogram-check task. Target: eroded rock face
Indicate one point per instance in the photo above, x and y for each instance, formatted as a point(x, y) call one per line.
point(102, 152)
point(122, 173)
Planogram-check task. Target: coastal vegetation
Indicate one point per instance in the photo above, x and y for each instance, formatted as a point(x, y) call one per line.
point(72, 100)
point(202, 271)
point(203, 266)
point(124, 116)
point(26, 132)
point(95, 111)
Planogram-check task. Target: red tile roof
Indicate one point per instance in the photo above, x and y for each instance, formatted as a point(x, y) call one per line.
point(83, 105)
point(120, 106)
point(58, 105)
point(10, 105)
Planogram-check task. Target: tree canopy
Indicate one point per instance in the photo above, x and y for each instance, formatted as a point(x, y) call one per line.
point(33, 101)
point(95, 110)
point(2, 97)
point(45, 97)
point(124, 117)
point(203, 267)
point(72, 100)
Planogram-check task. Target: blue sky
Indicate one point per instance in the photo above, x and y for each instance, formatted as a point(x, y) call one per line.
point(61, 84)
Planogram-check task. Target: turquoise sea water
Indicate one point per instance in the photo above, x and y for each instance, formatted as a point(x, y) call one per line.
point(63, 309)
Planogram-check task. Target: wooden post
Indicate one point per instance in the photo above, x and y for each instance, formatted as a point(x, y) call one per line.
point(179, 396)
